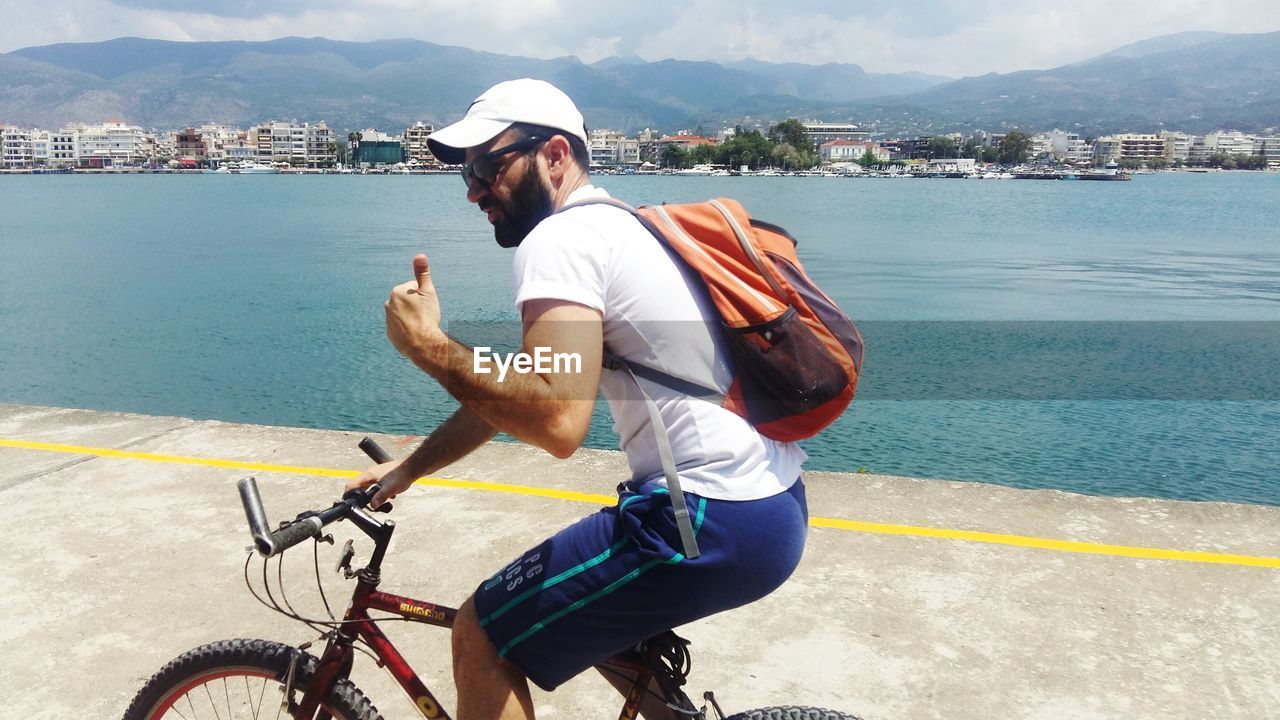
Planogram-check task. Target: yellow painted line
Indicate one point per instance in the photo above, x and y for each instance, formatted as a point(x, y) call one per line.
point(1070, 546)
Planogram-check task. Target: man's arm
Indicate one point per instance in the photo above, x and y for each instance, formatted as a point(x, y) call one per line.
point(457, 437)
point(551, 410)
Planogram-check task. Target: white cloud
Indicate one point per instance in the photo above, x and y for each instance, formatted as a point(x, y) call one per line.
point(950, 37)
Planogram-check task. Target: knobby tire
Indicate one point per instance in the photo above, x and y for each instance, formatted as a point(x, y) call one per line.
point(239, 679)
point(791, 712)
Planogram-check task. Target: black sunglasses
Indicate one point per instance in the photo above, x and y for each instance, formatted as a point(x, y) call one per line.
point(484, 168)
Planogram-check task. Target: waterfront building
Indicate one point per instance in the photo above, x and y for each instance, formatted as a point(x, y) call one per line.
point(294, 143)
point(372, 148)
point(1204, 148)
point(908, 149)
point(189, 148)
point(1231, 143)
point(280, 142)
point(613, 148)
point(16, 149)
point(1141, 147)
point(240, 150)
point(648, 144)
point(1269, 148)
point(284, 142)
point(851, 151)
point(1106, 149)
point(166, 146)
point(62, 148)
point(1069, 147)
point(415, 142)
point(1041, 147)
point(216, 139)
point(952, 165)
point(820, 132)
point(684, 140)
point(1177, 146)
point(112, 143)
point(321, 145)
point(40, 147)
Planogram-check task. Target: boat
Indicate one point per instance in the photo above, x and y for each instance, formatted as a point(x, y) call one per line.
point(253, 168)
point(699, 170)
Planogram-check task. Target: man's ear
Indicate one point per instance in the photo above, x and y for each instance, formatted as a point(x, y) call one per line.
point(559, 156)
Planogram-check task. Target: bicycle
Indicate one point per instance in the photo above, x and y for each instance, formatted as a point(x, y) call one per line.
point(310, 687)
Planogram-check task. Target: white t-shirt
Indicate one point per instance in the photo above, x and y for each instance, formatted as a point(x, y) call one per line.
point(656, 315)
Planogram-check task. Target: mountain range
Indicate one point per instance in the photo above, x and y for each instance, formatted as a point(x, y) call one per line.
point(1191, 81)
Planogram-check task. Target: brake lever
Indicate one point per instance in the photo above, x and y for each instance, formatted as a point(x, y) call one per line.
point(362, 497)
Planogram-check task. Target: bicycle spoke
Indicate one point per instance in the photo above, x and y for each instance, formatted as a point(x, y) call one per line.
point(191, 705)
point(227, 693)
point(248, 695)
point(212, 707)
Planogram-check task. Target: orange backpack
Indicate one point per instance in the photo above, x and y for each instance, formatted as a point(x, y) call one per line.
point(796, 355)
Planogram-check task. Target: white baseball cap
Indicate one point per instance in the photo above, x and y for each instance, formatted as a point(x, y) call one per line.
point(536, 102)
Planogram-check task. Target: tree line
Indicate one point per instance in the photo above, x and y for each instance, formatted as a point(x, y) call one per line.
point(786, 145)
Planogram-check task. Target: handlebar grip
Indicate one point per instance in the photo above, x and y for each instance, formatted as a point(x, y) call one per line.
point(255, 514)
point(272, 543)
point(375, 451)
point(292, 534)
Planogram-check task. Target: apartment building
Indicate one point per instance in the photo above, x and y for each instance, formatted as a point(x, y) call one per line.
point(294, 143)
point(16, 149)
point(612, 148)
point(63, 148)
point(1069, 147)
point(1229, 143)
point(1177, 146)
point(1135, 146)
point(1269, 147)
point(1106, 149)
point(189, 147)
point(415, 143)
point(821, 133)
point(112, 143)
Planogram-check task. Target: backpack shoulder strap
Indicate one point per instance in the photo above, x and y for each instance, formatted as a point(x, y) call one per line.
point(598, 201)
point(688, 540)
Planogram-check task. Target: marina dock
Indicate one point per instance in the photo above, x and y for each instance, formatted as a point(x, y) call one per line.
point(915, 599)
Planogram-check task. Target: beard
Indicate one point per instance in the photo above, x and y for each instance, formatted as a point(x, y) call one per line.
point(529, 205)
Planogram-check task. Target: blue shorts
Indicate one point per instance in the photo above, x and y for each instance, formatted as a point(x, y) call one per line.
point(618, 577)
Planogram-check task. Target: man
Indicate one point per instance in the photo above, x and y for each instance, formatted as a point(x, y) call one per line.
point(586, 279)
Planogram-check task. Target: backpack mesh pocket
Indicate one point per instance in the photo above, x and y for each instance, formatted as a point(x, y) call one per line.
point(783, 368)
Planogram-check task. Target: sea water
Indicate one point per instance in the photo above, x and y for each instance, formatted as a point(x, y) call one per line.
point(1100, 337)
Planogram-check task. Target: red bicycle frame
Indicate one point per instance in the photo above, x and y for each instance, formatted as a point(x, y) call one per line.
point(357, 623)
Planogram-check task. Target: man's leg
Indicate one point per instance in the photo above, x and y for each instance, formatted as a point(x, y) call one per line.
point(489, 688)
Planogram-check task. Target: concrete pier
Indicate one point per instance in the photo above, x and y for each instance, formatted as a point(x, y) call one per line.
point(125, 546)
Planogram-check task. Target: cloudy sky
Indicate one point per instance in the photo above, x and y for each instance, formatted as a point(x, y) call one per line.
point(947, 37)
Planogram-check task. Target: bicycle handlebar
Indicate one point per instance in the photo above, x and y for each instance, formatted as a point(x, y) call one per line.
point(309, 524)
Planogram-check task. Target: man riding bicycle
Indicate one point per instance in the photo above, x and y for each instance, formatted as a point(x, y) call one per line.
point(588, 280)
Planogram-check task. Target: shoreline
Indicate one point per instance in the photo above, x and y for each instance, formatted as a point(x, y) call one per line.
point(1054, 175)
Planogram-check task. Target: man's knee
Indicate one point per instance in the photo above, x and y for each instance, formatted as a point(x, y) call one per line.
point(470, 641)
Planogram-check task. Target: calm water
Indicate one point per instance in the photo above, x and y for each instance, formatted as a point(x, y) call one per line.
point(259, 299)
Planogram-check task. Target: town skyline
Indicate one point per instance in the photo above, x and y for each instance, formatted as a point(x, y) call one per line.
point(953, 38)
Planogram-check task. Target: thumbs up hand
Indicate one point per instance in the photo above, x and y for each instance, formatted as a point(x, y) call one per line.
point(413, 313)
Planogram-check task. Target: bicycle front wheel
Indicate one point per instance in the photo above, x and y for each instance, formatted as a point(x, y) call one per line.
point(791, 712)
point(234, 679)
